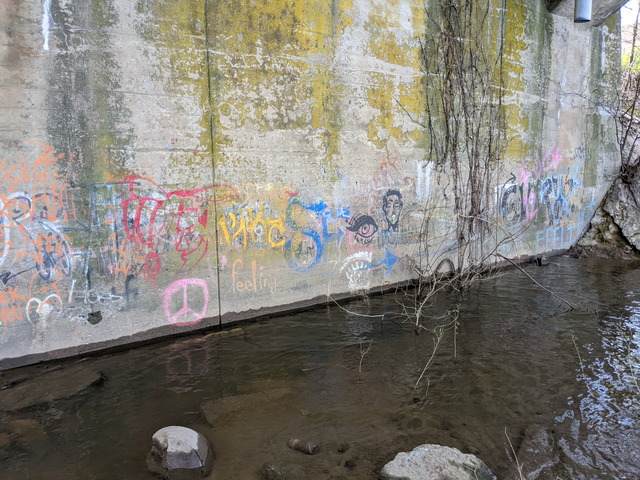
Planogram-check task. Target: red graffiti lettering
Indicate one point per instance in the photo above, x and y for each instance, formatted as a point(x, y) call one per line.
point(156, 218)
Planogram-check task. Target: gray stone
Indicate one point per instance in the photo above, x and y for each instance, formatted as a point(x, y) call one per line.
point(179, 452)
point(435, 462)
point(622, 205)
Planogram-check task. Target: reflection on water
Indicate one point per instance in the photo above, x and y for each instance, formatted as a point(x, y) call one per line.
point(344, 377)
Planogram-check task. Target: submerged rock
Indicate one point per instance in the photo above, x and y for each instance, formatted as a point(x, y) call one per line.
point(274, 471)
point(47, 386)
point(542, 261)
point(27, 433)
point(26, 437)
point(435, 462)
point(5, 440)
point(537, 455)
point(179, 452)
point(230, 408)
point(27, 430)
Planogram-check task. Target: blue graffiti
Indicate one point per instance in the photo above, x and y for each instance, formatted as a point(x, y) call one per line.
point(552, 194)
point(389, 261)
point(305, 248)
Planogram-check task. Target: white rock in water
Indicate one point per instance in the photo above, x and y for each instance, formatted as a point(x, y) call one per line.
point(435, 462)
point(178, 449)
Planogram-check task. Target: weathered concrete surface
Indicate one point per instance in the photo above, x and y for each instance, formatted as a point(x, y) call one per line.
point(167, 167)
point(434, 462)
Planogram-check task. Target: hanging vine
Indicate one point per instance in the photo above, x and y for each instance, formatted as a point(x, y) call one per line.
point(462, 54)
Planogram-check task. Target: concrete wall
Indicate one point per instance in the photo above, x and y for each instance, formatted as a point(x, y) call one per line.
point(167, 166)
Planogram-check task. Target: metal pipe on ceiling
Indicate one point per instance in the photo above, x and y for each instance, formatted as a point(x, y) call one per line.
point(582, 11)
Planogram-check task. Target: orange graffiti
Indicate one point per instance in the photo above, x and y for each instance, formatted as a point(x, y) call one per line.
point(11, 305)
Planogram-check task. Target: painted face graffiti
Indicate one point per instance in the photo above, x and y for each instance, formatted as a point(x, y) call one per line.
point(392, 206)
point(364, 227)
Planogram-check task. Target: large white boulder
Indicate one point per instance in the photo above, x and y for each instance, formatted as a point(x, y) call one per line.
point(435, 462)
point(179, 451)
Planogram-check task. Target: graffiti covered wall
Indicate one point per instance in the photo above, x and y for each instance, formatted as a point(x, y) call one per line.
point(170, 166)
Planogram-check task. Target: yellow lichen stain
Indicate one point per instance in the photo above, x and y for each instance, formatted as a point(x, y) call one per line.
point(380, 97)
point(419, 17)
point(395, 94)
point(266, 55)
point(271, 68)
point(413, 105)
point(271, 26)
point(345, 19)
point(326, 120)
point(514, 45)
point(178, 31)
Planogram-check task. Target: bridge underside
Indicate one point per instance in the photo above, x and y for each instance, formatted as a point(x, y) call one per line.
point(602, 9)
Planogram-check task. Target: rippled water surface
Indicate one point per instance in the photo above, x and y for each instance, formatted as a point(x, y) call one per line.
point(344, 377)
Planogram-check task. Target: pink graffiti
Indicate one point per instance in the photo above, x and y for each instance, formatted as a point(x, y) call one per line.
point(530, 206)
point(185, 314)
point(524, 175)
point(179, 217)
point(552, 159)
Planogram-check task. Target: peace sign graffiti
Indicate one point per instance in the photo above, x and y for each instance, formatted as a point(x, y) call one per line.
point(184, 294)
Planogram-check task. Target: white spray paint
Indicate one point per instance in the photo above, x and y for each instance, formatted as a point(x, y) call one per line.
point(46, 23)
point(423, 180)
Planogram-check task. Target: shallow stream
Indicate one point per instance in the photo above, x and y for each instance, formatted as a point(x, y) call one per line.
point(344, 376)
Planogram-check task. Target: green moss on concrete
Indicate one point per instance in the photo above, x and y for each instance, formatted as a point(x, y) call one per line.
point(539, 31)
point(604, 81)
point(87, 112)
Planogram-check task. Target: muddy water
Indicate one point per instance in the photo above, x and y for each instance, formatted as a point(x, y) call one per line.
point(345, 377)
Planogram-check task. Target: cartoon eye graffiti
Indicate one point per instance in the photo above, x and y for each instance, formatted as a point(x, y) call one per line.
point(364, 227)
